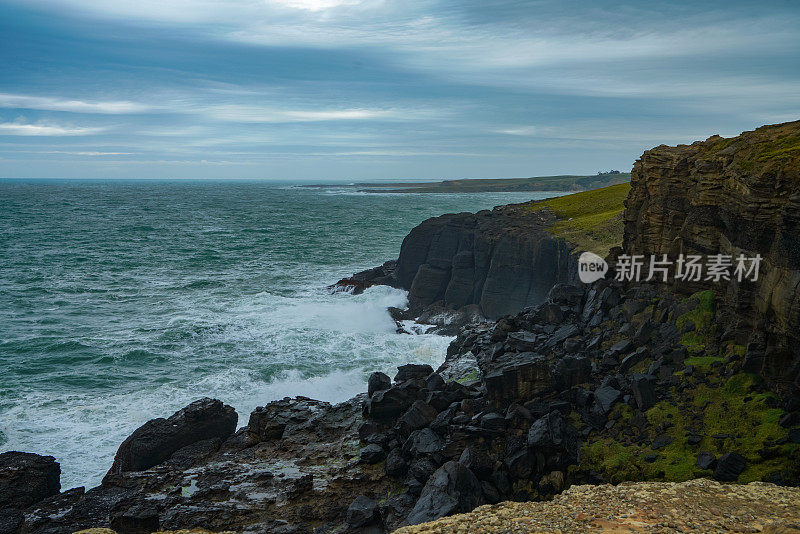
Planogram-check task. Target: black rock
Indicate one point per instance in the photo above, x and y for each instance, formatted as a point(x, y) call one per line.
point(706, 460)
point(572, 370)
point(11, 520)
point(362, 511)
point(453, 488)
point(729, 466)
point(620, 347)
point(424, 441)
point(605, 398)
point(422, 468)
point(156, 440)
point(639, 355)
point(27, 478)
point(378, 382)
point(372, 454)
point(794, 435)
point(520, 464)
point(643, 391)
point(396, 465)
point(493, 422)
point(552, 433)
point(419, 415)
point(650, 458)
point(412, 371)
point(478, 461)
point(136, 518)
point(435, 382)
point(661, 441)
point(388, 404)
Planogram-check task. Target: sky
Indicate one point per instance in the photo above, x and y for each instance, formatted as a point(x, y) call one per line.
point(343, 90)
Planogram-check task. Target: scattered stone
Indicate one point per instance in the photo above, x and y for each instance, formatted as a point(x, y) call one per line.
point(362, 511)
point(378, 382)
point(729, 466)
point(27, 478)
point(372, 454)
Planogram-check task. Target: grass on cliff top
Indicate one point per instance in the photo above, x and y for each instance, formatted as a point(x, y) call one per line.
point(590, 219)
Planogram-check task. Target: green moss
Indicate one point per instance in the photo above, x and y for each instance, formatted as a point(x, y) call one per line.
point(703, 362)
point(783, 147)
point(469, 377)
point(703, 318)
point(591, 219)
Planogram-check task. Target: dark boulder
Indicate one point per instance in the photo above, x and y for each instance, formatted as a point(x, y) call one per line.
point(388, 404)
point(362, 511)
point(638, 356)
point(137, 518)
point(517, 377)
point(572, 370)
point(554, 433)
point(453, 488)
point(605, 398)
point(729, 466)
point(478, 461)
point(378, 382)
point(156, 440)
point(419, 415)
point(644, 392)
point(11, 520)
point(372, 454)
point(396, 465)
point(27, 478)
point(412, 371)
point(424, 441)
point(706, 460)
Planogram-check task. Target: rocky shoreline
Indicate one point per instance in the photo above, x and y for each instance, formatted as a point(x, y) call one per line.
point(567, 384)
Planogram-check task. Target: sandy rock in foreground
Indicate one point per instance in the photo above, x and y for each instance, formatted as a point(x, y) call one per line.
point(694, 506)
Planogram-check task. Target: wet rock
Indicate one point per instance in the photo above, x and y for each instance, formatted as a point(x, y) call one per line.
point(729, 466)
point(435, 382)
point(396, 465)
point(553, 432)
point(518, 376)
point(453, 488)
point(137, 518)
point(27, 478)
point(478, 461)
point(11, 520)
point(422, 468)
point(424, 441)
point(388, 404)
point(372, 454)
point(621, 347)
point(378, 382)
point(419, 415)
point(412, 371)
point(638, 356)
point(605, 398)
point(156, 440)
point(362, 511)
point(493, 422)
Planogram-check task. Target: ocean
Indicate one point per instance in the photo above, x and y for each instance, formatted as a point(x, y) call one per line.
point(122, 301)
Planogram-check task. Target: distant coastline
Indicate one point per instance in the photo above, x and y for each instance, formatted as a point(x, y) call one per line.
point(564, 182)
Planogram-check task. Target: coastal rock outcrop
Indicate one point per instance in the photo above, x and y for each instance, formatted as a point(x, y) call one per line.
point(27, 478)
point(500, 260)
point(736, 196)
point(158, 439)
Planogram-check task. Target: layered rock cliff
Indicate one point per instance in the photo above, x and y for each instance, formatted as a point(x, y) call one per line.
point(502, 260)
point(730, 196)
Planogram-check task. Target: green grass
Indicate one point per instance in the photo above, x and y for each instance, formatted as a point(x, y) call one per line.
point(732, 406)
point(702, 316)
point(590, 219)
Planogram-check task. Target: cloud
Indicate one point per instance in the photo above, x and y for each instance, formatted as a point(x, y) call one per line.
point(85, 153)
point(75, 106)
point(16, 128)
point(256, 114)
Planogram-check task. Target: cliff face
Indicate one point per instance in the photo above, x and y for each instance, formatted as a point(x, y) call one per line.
point(501, 260)
point(730, 196)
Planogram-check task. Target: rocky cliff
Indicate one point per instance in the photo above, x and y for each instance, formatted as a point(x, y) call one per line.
point(502, 260)
point(730, 196)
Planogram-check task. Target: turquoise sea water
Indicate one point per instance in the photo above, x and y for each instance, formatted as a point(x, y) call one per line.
point(124, 301)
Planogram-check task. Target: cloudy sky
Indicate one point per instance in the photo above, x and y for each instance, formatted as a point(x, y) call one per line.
point(381, 89)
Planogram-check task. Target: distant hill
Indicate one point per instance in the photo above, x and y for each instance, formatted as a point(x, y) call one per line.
point(565, 182)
